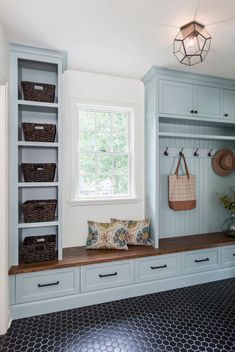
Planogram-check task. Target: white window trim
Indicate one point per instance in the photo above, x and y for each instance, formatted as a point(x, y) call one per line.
point(134, 152)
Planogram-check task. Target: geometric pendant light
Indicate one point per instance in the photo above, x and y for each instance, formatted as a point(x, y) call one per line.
point(192, 44)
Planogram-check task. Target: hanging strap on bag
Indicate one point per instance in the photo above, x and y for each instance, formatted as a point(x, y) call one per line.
point(182, 189)
point(178, 166)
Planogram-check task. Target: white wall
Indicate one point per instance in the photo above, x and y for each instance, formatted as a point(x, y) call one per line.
point(3, 56)
point(3, 185)
point(82, 86)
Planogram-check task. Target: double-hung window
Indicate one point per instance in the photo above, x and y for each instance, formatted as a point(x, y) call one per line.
point(105, 152)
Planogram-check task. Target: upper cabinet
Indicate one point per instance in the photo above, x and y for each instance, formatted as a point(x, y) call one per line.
point(208, 101)
point(175, 98)
point(229, 104)
point(185, 99)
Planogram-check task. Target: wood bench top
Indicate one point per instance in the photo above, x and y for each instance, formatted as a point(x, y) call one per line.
point(77, 256)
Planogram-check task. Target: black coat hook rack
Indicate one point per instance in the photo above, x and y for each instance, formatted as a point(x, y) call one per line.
point(181, 152)
point(210, 153)
point(196, 153)
point(166, 153)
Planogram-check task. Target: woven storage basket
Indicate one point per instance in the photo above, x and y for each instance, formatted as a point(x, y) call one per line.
point(34, 91)
point(38, 248)
point(39, 210)
point(39, 132)
point(38, 172)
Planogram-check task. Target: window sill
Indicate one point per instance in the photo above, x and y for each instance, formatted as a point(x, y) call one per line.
point(104, 201)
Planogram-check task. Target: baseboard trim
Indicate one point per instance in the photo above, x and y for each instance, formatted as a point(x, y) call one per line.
point(85, 299)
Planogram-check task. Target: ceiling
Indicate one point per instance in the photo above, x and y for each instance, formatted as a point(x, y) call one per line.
point(122, 37)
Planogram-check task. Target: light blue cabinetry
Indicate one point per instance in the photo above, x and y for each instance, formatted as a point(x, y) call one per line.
point(207, 101)
point(229, 104)
point(55, 290)
point(101, 276)
point(40, 66)
point(228, 256)
point(175, 97)
point(187, 111)
point(158, 267)
point(47, 284)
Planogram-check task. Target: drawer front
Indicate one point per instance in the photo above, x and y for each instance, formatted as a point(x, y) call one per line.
point(102, 276)
point(47, 284)
point(158, 267)
point(228, 256)
point(202, 260)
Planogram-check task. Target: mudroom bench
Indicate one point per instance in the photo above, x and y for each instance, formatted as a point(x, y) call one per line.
point(86, 277)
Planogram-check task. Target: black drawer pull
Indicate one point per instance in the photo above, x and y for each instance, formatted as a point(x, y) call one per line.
point(50, 284)
point(234, 254)
point(159, 267)
point(106, 275)
point(202, 260)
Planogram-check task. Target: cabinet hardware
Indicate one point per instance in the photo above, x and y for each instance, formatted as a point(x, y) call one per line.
point(50, 284)
point(159, 267)
point(106, 275)
point(195, 111)
point(191, 111)
point(202, 260)
point(226, 115)
point(234, 254)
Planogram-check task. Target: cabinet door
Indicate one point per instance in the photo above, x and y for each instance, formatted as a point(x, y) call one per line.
point(175, 98)
point(229, 104)
point(208, 102)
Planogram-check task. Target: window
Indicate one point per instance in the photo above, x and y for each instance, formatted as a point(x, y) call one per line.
point(105, 153)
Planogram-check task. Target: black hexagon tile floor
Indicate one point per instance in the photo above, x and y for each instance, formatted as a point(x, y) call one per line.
point(197, 318)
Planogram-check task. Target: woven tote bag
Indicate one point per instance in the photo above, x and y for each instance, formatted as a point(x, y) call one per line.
point(182, 189)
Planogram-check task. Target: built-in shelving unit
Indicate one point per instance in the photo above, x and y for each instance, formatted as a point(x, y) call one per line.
point(186, 113)
point(41, 66)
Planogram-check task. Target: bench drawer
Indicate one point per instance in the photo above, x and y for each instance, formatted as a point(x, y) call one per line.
point(46, 284)
point(157, 267)
point(107, 275)
point(228, 256)
point(202, 260)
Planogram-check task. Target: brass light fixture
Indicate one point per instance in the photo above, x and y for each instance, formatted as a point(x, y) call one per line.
point(192, 44)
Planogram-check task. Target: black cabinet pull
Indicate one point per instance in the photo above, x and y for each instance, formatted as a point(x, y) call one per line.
point(202, 260)
point(106, 275)
point(226, 115)
point(192, 111)
point(159, 267)
point(234, 254)
point(50, 284)
point(195, 111)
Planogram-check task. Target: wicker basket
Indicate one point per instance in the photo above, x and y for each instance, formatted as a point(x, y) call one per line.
point(38, 91)
point(38, 248)
point(39, 132)
point(39, 210)
point(38, 172)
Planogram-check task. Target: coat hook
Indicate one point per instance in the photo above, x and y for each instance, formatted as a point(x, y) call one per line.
point(210, 153)
point(166, 152)
point(196, 153)
point(181, 152)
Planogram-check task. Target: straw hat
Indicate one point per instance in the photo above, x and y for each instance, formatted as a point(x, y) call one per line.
point(223, 162)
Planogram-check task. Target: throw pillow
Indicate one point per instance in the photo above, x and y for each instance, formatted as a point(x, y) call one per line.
point(106, 235)
point(138, 231)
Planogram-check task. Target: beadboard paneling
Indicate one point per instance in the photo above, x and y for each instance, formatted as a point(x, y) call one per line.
point(209, 214)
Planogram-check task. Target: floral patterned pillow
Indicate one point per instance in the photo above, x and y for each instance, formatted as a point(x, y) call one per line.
point(106, 235)
point(138, 231)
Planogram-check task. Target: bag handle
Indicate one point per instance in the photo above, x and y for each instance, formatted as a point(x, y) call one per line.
point(178, 165)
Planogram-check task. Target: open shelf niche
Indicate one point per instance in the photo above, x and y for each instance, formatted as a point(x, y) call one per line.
point(38, 66)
